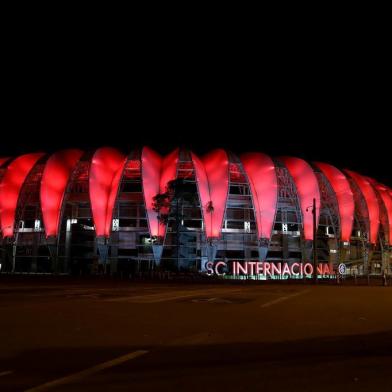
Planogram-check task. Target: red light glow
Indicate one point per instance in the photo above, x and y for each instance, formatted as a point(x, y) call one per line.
point(371, 202)
point(212, 177)
point(156, 173)
point(105, 174)
point(386, 198)
point(260, 170)
point(54, 181)
point(307, 188)
point(344, 196)
point(10, 187)
point(3, 160)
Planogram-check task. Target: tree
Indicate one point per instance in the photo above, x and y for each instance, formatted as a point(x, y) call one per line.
point(170, 204)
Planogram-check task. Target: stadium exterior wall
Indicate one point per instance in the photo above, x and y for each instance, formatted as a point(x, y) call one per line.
point(81, 212)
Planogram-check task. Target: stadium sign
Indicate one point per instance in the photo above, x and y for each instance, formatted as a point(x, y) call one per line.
point(267, 269)
point(342, 269)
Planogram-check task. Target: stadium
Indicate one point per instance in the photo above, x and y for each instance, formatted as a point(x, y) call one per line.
point(80, 213)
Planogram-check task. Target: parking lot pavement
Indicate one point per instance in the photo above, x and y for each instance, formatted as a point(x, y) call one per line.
point(154, 336)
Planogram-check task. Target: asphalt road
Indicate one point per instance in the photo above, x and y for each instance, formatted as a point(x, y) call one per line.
point(104, 336)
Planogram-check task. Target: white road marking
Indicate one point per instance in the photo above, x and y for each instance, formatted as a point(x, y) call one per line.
point(87, 372)
point(149, 298)
point(170, 296)
point(5, 373)
point(284, 298)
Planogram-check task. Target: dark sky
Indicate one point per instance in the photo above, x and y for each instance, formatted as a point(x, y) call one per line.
point(326, 105)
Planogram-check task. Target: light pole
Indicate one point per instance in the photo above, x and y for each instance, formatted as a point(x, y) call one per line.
point(315, 263)
point(314, 249)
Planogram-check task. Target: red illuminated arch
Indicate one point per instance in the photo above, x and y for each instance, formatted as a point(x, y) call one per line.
point(263, 182)
point(307, 188)
point(3, 160)
point(344, 196)
point(11, 184)
point(371, 202)
point(54, 181)
point(386, 198)
point(105, 174)
point(156, 173)
point(212, 177)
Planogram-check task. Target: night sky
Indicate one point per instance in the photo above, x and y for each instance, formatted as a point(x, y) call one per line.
point(327, 108)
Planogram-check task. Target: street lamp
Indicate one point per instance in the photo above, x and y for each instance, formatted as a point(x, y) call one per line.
point(314, 250)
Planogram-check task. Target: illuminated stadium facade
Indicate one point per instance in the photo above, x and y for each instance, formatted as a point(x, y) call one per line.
point(79, 213)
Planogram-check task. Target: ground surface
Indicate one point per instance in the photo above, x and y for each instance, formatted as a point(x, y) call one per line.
point(104, 336)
